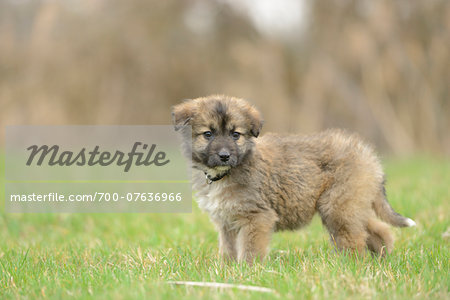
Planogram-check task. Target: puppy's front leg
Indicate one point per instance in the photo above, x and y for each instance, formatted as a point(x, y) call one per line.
point(254, 235)
point(227, 242)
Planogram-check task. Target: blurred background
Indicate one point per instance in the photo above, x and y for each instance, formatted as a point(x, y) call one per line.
point(380, 68)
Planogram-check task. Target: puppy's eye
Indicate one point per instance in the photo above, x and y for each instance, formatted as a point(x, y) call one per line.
point(235, 135)
point(208, 135)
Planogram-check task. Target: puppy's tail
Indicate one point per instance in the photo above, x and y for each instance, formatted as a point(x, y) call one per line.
point(386, 213)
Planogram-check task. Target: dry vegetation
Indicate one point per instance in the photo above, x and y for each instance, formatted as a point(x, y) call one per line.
point(377, 67)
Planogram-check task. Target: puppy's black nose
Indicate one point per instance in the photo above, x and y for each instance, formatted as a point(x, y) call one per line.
point(224, 155)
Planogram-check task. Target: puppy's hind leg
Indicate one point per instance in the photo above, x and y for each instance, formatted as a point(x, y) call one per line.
point(348, 239)
point(380, 240)
point(346, 227)
point(254, 236)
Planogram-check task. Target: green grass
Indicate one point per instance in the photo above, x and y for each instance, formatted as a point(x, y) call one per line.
point(124, 256)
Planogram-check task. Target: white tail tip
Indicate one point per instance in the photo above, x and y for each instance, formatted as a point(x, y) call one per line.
point(410, 223)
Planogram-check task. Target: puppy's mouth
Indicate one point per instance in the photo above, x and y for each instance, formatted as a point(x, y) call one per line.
point(220, 165)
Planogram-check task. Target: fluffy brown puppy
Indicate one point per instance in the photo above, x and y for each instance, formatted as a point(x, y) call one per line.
point(257, 185)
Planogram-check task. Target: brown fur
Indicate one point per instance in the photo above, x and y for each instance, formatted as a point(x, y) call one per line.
point(278, 182)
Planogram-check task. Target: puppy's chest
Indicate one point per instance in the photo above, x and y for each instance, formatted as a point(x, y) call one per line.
point(220, 201)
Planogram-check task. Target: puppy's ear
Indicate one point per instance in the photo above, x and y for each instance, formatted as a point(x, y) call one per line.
point(256, 121)
point(183, 113)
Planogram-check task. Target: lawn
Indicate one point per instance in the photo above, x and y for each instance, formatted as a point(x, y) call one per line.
point(124, 256)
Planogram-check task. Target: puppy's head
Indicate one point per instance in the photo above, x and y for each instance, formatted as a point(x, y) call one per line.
point(222, 130)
